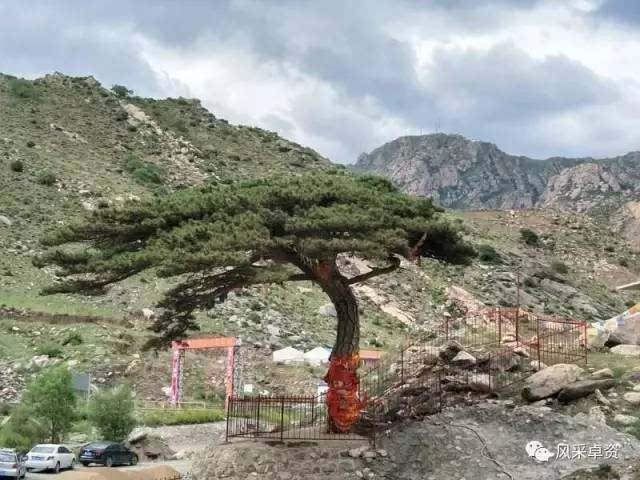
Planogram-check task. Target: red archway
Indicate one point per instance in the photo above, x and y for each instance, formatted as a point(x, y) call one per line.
point(181, 346)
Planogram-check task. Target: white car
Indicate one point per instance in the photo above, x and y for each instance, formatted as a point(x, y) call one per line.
point(50, 457)
point(11, 464)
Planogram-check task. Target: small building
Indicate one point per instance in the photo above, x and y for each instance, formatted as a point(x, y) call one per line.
point(370, 357)
point(81, 384)
point(288, 355)
point(317, 356)
point(321, 389)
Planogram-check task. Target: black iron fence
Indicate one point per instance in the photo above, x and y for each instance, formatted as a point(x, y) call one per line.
point(482, 352)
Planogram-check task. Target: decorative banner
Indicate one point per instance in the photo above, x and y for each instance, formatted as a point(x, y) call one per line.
point(342, 397)
point(175, 375)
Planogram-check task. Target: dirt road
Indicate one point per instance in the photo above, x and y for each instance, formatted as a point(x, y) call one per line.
point(182, 466)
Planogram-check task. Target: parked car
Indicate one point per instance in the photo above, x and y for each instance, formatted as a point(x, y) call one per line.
point(50, 457)
point(11, 464)
point(107, 454)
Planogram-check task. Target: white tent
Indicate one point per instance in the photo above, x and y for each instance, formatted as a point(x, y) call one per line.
point(317, 356)
point(288, 355)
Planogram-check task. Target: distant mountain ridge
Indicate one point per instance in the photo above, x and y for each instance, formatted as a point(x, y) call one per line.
point(461, 173)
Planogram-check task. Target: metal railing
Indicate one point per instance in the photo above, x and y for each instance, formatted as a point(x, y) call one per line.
point(501, 346)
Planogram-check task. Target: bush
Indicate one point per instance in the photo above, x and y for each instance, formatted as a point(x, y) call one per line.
point(144, 172)
point(559, 267)
point(111, 412)
point(73, 338)
point(181, 417)
point(623, 262)
point(50, 349)
point(121, 91)
point(530, 282)
point(31, 144)
point(50, 399)
point(22, 88)
point(47, 178)
point(529, 236)
point(488, 254)
point(609, 248)
point(16, 166)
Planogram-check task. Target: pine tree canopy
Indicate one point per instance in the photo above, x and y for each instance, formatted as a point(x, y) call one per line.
point(219, 237)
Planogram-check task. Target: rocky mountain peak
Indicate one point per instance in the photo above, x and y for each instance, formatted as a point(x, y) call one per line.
point(461, 173)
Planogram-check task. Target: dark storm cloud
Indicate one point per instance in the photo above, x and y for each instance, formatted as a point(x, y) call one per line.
point(347, 46)
point(505, 84)
point(624, 11)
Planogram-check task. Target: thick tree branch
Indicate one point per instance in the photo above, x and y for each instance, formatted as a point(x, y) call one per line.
point(375, 272)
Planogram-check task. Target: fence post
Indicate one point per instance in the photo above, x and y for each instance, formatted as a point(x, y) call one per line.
point(499, 328)
point(282, 419)
point(258, 418)
point(446, 328)
point(230, 406)
point(538, 340)
point(402, 365)
point(585, 344)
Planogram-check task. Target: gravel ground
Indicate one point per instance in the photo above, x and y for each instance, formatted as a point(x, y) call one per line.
point(187, 440)
point(183, 466)
point(192, 438)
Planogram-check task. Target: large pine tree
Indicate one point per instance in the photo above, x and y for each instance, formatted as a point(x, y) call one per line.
point(220, 237)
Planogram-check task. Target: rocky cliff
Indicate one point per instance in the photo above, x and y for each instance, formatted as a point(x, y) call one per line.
point(461, 173)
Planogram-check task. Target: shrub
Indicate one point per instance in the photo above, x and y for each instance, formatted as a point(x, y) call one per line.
point(609, 248)
point(181, 417)
point(50, 349)
point(488, 254)
point(121, 116)
point(111, 412)
point(623, 262)
point(21, 88)
point(121, 91)
point(16, 166)
point(22, 430)
point(51, 400)
point(73, 338)
point(530, 282)
point(144, 172)
point(31, 144)
point(529, 236)
point(46, 178)
point(559, 267)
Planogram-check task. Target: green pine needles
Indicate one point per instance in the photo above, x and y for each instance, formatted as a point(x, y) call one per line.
point(219, 237)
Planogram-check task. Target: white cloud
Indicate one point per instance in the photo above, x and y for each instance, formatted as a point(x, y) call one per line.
point(540, 78)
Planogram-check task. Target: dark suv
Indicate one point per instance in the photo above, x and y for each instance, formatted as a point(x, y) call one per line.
point(107, 454)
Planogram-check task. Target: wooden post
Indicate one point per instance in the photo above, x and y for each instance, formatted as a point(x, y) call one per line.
point(282, 419)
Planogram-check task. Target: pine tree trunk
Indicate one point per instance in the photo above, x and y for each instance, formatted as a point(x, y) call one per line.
point(348, 328)
point(342, 377)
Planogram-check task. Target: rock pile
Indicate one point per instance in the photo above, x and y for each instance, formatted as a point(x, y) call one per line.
point(12, 382)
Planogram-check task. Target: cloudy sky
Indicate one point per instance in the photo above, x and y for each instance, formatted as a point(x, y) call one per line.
point(538, 78)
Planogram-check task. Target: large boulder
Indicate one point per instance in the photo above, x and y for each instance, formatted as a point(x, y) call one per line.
point(463, 360)
point(626, 350)
point(581, 389)
point(624, 329)
point(138, 434)
point(40, 361)
point(328, 310)
point(551, 380)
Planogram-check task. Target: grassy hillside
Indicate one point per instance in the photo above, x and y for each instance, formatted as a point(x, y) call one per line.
point(68, 145)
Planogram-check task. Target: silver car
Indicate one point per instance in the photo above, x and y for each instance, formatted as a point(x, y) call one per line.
point(11, 464)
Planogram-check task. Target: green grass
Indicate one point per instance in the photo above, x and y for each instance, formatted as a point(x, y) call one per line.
point(154, 418)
